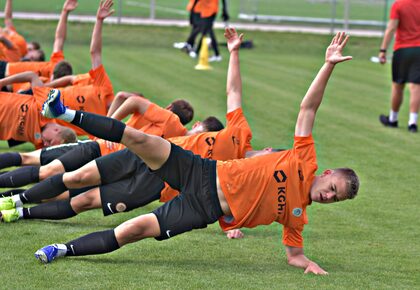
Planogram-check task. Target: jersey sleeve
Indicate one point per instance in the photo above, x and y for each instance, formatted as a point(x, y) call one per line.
point(292, 237)
point(156, 114)
point(395, 13)
point(100, 79)
point(57, 56)
point(304, 148)
point(236, 118)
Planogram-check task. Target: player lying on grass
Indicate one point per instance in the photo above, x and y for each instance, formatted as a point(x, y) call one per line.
point(56, 66)
point(239, 193)
point(124, 178)
point(147, 116)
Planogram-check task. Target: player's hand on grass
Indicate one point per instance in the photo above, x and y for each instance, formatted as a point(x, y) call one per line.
point(233, 40)
point(315, 269)
point(234, 234)
point(70, 5)
point(104, 9)
point(333, 54)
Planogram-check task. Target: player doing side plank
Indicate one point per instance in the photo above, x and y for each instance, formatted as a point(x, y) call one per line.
point(238, 193)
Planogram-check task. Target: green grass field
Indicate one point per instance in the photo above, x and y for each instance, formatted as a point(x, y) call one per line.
point(371, 242)
point(367, 10)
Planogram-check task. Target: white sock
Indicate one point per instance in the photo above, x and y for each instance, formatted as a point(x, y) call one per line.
point(62, 250)
point(413, 118)
point(68, 115)
point(20, 211)
point(393, 116)
point(17, 201)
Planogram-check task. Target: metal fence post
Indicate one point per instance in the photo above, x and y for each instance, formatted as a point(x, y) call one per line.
point(333, 15)
point(346, 15)
point(119, 11)
point(152, 9)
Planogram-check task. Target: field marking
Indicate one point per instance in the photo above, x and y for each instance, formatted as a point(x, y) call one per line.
point(157, 7)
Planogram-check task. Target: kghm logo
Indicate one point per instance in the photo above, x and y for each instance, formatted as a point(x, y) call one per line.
point(280, 178)
point(24, 108)
point(80, 99)
point(210, 142)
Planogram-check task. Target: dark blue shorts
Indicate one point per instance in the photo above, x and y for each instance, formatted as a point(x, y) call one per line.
point(406, 65)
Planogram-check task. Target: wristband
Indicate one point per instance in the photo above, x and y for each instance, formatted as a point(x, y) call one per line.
point(382, 50)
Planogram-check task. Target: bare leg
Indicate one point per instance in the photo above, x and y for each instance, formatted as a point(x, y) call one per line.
point(52, 168)
point(153, 150)
point(136, 229)
point(89, 200)
point(31, 158)
point(397, 95)
point(87, 175)
point(414, 98)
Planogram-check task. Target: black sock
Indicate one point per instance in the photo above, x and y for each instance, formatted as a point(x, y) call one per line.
point(100, 126)
point(20, 177)
point(10, 159)
point(93, 244)
point(10, 193)
point(48, 188)
point(54, 210)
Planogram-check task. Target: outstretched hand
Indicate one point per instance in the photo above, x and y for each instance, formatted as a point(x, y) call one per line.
point(233, 40)
point(104, 9)
point(70, 5)
point(333, 54)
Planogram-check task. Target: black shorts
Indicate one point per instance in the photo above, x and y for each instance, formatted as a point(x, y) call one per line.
point(3, 65)
point(406, 65)
point(48, 154)
point(80, 155)
point(198, 204)
point(126, 182)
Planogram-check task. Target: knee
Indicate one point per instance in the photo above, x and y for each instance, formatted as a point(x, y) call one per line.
point(75, 179)
point(129, 232)
point(49, 170)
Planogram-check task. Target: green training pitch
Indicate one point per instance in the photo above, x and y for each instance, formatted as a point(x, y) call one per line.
point(367, 243)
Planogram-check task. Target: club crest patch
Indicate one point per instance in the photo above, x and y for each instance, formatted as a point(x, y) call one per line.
point(120, 207)
point(297, 212)
point(37, 136)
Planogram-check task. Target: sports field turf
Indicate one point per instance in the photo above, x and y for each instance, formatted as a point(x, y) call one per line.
point(366, 10)
point(371, 242)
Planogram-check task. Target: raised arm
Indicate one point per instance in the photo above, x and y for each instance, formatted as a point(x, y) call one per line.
point(296, 258)
point(61, 31)
point(389, 33)
point(234, 82)
point(315, 93)
point(8, 17)
point(132, 104)
point(23, 77)
point(104, 11)
point(61, 82)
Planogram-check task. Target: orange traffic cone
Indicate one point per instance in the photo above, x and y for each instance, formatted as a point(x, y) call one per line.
point(203, 58)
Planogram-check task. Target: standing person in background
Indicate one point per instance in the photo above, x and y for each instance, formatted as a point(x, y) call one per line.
point(202, 16)
point(405, 24)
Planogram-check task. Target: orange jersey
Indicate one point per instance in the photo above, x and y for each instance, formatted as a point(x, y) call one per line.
point(206, 8)
point(42, 68)
point(82, 80)
point(92, 98)
point(20, 118)
point(18, 40)
point(155, 121)
point(158, 121)
point(273, 187)
point(9, 54)
point(230, 143)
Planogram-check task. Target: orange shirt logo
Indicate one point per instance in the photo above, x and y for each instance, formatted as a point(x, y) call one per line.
point(280, 178)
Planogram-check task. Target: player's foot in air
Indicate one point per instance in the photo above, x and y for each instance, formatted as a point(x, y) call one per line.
point(53, 107)
point(9, 215)
point(386, 122)
point(6, 203)
point(47, 254)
